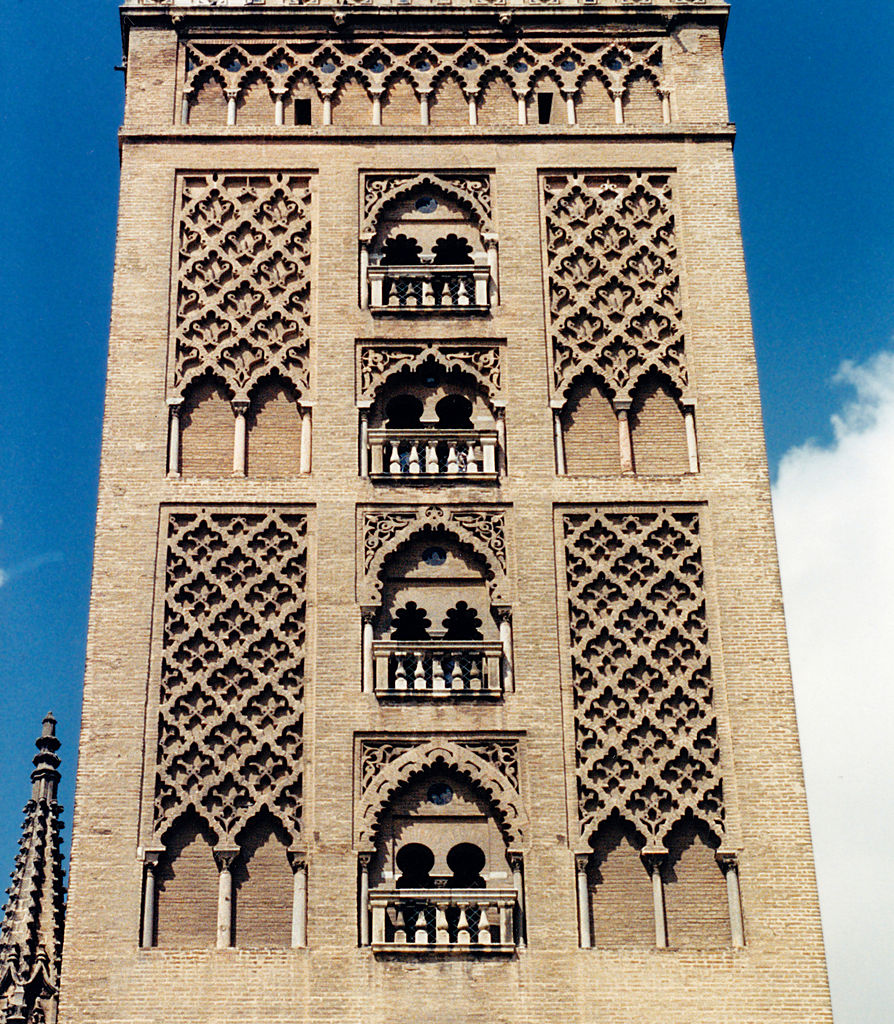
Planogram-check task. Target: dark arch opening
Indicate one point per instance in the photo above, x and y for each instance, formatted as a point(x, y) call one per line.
point(403, 412)
point(462, 623)
point(466, 861)
point(415, 861)
point(411, 623)
point(454, 413)
point(401, 251)
point(452, 250)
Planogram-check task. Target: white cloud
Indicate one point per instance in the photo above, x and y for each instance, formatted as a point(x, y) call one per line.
point(834, 509)
point(4, 577)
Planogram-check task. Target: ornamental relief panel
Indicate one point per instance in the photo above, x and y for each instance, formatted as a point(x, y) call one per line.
point(612, 280)
point(387, 765)
point(377, 361)
point(242, 281)
point(328, 64)
point(231, 702)
point(470, 190)
point(384, 530)
point(645, 726)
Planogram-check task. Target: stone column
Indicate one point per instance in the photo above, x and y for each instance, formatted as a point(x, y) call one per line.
point(278, 113)
point(473, 111)
point(655, 861)
point(175, 406)
point(729, 865)
point(184, 110)
point(493, 263)
point(665, 105)
point(618, 97)
point(298, 863)
point(231, 95)
point(364, 273)
point(368, 673)
point(522, 110)
point(691, 439)
point(581, 863)
point(365, 859)
point(150, 866)
point(224, 859)
point(560, 441)
point(518, 883)
point(377, 109)
point(364, 443)
point(570, 111)
point(327, 108)
point(504, 617)
point(625, 442)
point(240, 438)
point(501, 439)
point(424, 116)
point(304, 466)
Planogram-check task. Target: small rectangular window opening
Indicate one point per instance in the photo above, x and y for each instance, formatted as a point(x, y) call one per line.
point(544, 107)
point(302, 112)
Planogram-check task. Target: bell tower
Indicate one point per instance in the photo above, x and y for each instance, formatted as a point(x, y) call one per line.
point(436, 667)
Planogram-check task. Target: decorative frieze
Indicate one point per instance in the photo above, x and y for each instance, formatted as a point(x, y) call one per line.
point(378, 361)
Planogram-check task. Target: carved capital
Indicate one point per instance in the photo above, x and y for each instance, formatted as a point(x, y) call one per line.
point(224, 857)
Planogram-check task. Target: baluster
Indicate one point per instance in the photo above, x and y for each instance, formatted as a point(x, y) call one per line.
point(475, 672)
point(419, 673)
point(484, 927)
point(414, 459)
point(506, 928)
point(421, 935)
point(452, 461)
point(438, 684)
point(400, 923)
point(394, 459)
point(428, 292)
point(463, 298)
point(463, 935)
point(431, 458)
point(442, 935)
point(400, 673)
point(471, 458)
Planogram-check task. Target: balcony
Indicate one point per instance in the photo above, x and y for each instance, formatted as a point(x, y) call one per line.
point(429, 289)
point(432, 669)
point(427, 455)
point(446, 920)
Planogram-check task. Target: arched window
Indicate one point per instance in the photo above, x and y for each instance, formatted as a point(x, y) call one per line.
point(206, 431)
point(695, 894)
point(436, 633)
point(263, 887)
point(657, 429)
point(590, 430)
point(187, 888)
point(416, 233)
point(440, 877)
point(620, 891)
point(274, 431)
point(432, 425)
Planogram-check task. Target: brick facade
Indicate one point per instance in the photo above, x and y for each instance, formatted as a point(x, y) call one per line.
point(291, 775)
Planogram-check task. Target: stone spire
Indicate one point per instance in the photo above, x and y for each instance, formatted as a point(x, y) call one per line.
point(33, 919)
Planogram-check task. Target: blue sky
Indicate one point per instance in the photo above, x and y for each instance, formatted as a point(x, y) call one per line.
point(810, 90)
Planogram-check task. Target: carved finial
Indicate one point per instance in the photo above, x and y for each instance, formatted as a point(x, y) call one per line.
point(45, 777)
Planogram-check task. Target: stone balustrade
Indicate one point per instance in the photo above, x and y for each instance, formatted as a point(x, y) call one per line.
point(430, 452)
point(443, 920)
point(430, 288)
point(426, 668)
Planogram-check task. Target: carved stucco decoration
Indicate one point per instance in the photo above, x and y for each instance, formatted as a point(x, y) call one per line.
point(377, 362)
point(442, 754)
point(230, 724)
point(499, 751)
point(385, 530)
point(646, 731)
point(242, 280)
point(424, 65)
point(612, 279)
point(471, 191)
